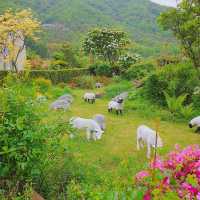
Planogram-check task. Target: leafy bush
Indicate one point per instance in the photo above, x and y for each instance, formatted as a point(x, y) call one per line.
point(42, 84)
point(125, 61)
point(57, 76)
point(85, 82)
point(175, 80)
point(138, 71)
point(27, 146)
point(117, 88)
point(176, 177)
point(100, 69)
point(56, 92)
point(22, 143)
point(176, 105)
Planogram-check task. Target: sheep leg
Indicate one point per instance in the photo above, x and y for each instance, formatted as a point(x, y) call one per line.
point(117, 112)
point(88, 134)
point(197, 130)
point(148, 151)
point(138, 144)
point(120, 112)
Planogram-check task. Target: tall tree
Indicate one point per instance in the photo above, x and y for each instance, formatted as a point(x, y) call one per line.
point(184, 21)
point(107, 44)
point(15, 28)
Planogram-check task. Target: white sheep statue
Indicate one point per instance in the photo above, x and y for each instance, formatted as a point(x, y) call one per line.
point(148, 136)
point(116, 105)
point(93, 130)
point(60, 104)
point(67, 97)
point(100, 119)
point(195, 122)
point(89, 97)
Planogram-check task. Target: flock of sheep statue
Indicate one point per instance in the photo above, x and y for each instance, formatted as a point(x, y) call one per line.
point(96, 126)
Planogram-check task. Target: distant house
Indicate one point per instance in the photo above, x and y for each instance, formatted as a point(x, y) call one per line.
point(20, 50)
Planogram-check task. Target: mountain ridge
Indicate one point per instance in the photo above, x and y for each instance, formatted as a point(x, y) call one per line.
point(137, 17)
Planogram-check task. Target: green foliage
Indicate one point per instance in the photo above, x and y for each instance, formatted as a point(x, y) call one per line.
point(176, 106)
point(65, 57)
point(174, 79)
point(138, 71)
point(125, 61)
point(175, 103)
point(22, 147)
point(85, 82)
point(43, 84)
point(57, 76)
point(107, 44)
point(184, 22)
point(117, 88)
point(101, 70)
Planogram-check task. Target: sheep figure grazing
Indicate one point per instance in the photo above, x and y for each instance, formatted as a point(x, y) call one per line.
point(100, 119)
point(195, 122)
point(67, 97)
point(93, 130)
point(89, 97)
point(60, 104)
point(116, 105)
point(148, 136)
point(98, 85)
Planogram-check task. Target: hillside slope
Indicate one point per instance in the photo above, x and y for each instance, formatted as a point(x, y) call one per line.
point(67, 19)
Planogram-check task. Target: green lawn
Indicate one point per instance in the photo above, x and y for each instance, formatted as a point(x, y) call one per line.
point(115, 157)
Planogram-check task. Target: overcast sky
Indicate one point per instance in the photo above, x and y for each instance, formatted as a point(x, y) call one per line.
point(166, 2)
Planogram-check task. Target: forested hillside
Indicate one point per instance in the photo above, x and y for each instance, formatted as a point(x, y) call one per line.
point(68, 20)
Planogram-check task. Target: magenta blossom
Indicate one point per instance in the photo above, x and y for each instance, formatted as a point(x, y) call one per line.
point(141, 175)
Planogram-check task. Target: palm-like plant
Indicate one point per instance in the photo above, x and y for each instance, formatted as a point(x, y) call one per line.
point(174, 103)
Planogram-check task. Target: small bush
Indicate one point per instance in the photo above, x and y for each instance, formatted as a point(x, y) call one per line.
point(42, 84)
point(138, 71)
point(101, 70)
point(85, 82)
point(175, 80)
point(117, 88)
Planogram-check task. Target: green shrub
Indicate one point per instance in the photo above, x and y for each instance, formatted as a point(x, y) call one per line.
point(57, 76)
point(42, 84)
point(101, 70)
point(175, 80)
point(117, 88)
point(85, 82)
point(56, 92)
point(138, 71)
point(26, 143)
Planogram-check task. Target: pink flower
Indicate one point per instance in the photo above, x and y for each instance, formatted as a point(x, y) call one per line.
point(141, 175)
point(157, 164)
point(147, 196)
point(198, 196)
point(166, 181)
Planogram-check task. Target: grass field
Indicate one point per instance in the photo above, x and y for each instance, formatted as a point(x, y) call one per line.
point(114, 157)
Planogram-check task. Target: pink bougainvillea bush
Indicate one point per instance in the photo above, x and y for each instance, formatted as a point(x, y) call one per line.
point(176, 177)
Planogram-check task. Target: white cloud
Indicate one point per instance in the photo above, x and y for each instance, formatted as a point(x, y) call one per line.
point(171, 3)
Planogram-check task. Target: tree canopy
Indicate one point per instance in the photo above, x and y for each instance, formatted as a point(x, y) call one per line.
point(106, 44)
point(16, 26)
point(184, 21)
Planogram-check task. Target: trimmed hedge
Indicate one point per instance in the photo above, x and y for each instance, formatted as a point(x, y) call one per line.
point(56, 76)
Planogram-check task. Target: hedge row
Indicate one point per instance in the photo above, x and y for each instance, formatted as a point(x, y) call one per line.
point(56, 76)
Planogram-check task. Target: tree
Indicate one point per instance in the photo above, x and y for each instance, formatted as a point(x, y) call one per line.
point(106, 44)
point(184, 21)
point(15, 28)
point(64, 57)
